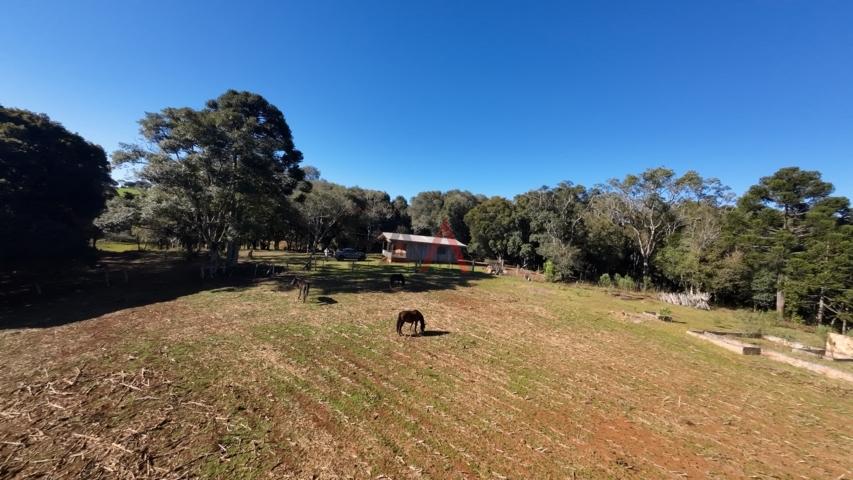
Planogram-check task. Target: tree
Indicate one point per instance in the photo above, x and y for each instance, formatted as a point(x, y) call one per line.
point(493, 229)
point(773, 212)
point(216, 163)
point(324, 212)
point(53, 183)
point(375, 212)
point(401, 221)
point(430, 210)
point(555, 219)
point(820, 277)
point(691, 258)
point(122, 215)
point(425, 212)
point(645, 206)
point(456, 204)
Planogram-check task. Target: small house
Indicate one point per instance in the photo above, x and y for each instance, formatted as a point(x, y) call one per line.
point(404, 247)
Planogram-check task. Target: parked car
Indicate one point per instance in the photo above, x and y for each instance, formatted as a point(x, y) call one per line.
point(349, 254)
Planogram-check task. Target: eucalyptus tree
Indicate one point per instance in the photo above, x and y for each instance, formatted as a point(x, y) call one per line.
point(425, 211)
point(325, 211)
point(401, 221)
point(215, 163)
point(375, 212)
point(555, 218)
point(122, 215)
point(646, 206)
point(456, 204)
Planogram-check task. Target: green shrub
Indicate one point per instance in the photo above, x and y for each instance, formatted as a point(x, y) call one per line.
point(822, 331)
point(604, 281)
point(550, 273)
point(757, 322)
point(624, 283)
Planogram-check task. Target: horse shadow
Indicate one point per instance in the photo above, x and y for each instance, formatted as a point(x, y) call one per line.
point(426, 333)
point(434, 333)
point(326, 301)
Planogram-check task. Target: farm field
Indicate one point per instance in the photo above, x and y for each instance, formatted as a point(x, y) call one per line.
point(171, 377)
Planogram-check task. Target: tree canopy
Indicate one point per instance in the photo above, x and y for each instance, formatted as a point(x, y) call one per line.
point(53, 183)
point(217, 163)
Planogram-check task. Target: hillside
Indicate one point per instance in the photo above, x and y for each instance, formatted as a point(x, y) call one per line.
point(514, 379)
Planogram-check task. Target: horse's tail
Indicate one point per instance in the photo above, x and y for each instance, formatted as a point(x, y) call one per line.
point(400, 323)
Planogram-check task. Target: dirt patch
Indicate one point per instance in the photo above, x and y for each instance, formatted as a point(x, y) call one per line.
point(105, 425)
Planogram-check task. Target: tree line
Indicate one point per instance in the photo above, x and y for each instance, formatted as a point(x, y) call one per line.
point(229, 176)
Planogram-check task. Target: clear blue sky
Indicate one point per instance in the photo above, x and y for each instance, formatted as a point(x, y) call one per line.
point(494, 97)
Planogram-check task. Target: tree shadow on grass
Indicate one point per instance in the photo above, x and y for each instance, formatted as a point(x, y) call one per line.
point(154, 277)
point(151, 277)
point(373, 277)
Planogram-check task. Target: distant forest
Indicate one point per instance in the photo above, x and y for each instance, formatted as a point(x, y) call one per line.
point(229, 176)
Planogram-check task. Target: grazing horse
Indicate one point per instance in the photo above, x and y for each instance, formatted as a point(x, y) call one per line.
point(410, 316)
point(397, 278)
point(303, 286)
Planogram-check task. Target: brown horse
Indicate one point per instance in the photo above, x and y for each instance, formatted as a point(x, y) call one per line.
point(397, 278)
point(303, 286)
point(410, 316)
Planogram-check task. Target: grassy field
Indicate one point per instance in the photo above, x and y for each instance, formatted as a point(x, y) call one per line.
point(171, 377)
point(116, 247)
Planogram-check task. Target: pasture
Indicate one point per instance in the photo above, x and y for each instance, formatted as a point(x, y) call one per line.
point(171, 377)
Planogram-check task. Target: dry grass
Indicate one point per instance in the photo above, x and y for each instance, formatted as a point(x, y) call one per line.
point(517, 380)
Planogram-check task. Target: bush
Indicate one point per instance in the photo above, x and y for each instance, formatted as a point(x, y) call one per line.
point(550, 273)
point(758, 323)
point(822, 331)
point(604, 280)
point(624, 283)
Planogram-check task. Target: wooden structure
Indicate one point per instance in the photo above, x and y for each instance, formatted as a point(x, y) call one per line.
point(404, 247)
point(839, 347)
point(727, 343)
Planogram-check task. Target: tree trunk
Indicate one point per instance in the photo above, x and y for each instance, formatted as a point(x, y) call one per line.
point(820, 308)
point(780, 303)
point(232, 250)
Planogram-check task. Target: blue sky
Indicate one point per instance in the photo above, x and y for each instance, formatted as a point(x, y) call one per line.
point(494, 97)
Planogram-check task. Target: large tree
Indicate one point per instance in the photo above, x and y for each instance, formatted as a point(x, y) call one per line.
point(217, 164)
point(820, 276)
point(432, 212)
point(457, 203)
point(401, 221)
point(646, 206)
point(425, 212)
point(53, 183)
point(555, 218)
point(375, 213)
point(122, 215)
point(494, 229)
point(325, 211)
point(772, 214)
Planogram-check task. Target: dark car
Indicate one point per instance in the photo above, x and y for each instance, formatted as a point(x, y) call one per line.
point(349, 254)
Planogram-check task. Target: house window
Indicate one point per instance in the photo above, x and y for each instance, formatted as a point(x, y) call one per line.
point(442, 252)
